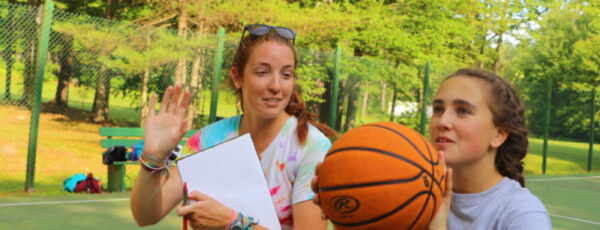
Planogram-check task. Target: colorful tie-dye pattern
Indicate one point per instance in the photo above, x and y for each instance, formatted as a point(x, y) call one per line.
point(288, 167)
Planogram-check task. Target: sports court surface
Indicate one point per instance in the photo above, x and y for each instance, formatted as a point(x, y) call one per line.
point(573, 201)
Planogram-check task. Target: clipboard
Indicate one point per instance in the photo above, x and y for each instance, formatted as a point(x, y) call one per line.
point(231, 173)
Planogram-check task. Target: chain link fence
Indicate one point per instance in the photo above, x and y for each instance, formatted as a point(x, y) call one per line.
point(101, 73)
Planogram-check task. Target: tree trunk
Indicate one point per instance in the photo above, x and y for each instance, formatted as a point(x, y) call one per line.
point(498, 59)
point(181, 70)
point(66, 62)
point(109, 12)
point(100, 107)
point(383, 96)
point(365, 102)
point(393, 109)
point(324, 107)
point(9, 51)
point(29, 72)
point(144, 94)
point(342, 93)
point(195, 87)
point(144, 103)
point(353, 96)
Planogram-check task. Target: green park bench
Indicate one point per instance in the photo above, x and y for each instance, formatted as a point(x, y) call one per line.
point(126, 136)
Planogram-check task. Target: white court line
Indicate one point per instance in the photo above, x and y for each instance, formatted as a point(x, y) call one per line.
point(576, 219)
point(564, 178)
point(60, 202)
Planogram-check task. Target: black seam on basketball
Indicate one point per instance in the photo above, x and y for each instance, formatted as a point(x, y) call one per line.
point(422, 209)
point(405, 138)
point(433, 164)
point(382, 152)
point(384, 215)
point(387, 182)
point(433, 210)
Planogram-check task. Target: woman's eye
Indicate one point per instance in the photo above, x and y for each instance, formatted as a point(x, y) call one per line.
point(261, 72)
point(463, 111)
point(438, 109)
point(288, 75)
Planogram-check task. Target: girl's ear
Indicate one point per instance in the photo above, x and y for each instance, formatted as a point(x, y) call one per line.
point(499, 139)
point(236, 77)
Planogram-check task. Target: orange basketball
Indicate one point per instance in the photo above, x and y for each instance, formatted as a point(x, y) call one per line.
point(381, 176)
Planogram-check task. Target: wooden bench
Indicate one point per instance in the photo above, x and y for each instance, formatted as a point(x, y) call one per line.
point(128, 137)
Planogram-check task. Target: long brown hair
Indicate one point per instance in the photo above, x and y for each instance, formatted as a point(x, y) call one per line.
point(297, 106)
point(508, 114)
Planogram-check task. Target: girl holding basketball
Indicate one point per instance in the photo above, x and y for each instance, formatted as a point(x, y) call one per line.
point(478, 126)
point(478, 123)
point(287, 138)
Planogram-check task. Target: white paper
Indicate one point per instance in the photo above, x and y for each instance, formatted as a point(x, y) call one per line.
point(231, 174)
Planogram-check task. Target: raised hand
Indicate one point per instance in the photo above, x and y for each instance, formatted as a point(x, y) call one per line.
point(165, 129)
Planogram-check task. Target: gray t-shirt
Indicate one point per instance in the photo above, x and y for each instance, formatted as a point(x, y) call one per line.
point(506, 206)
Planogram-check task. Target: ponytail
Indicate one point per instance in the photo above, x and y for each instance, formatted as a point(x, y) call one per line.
point(297, 107)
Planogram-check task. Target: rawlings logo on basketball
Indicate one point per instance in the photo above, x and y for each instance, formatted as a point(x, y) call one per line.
point(425, 181)
point(345, 204)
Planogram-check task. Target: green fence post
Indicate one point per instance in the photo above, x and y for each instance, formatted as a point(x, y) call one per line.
point(42, 53)
point(214, 97)
point(424, 98)
point(335, 85)
point(592, 114)
point(546, 126)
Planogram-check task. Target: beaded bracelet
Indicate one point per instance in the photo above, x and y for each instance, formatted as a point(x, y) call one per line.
point(231, 219)
point(151, 167)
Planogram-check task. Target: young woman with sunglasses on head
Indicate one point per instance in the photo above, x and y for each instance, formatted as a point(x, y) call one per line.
point(478, 126)
point(288, 140)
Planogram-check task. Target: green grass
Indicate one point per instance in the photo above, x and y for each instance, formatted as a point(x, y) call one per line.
point(571, 198)
point(564, 157)
point(96, 215)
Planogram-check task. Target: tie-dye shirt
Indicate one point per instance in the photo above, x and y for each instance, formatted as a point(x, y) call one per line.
point(288, 166)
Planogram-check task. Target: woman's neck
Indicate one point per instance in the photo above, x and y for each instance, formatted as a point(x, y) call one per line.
point(476, 177)
point(263, 131)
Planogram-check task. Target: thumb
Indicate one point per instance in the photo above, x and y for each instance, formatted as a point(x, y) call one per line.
point(184, 210)
point(198, 196)
point(448, 194)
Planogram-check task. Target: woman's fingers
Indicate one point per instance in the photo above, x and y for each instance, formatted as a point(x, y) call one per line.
point(151, 105)
point(183, 106)
point(449, 185)
point(175, 100)
point(184, 210)
point(164, 104)
point(172, 108)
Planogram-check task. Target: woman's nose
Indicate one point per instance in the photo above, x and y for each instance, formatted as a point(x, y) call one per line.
point(274, 85)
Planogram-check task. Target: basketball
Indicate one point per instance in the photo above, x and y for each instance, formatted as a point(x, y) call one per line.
point(381, 176)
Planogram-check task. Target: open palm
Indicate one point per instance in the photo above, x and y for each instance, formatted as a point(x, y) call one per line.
point(164, 130)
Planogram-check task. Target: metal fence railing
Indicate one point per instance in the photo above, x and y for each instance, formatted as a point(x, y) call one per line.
point(100, 72)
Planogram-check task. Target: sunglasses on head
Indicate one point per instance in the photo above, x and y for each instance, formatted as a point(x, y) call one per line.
point(262, 29)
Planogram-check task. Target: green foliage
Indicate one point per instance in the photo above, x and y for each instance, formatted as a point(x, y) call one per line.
point(565, 49)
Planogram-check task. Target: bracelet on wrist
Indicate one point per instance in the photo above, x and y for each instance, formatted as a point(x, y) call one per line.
point(150, 166)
